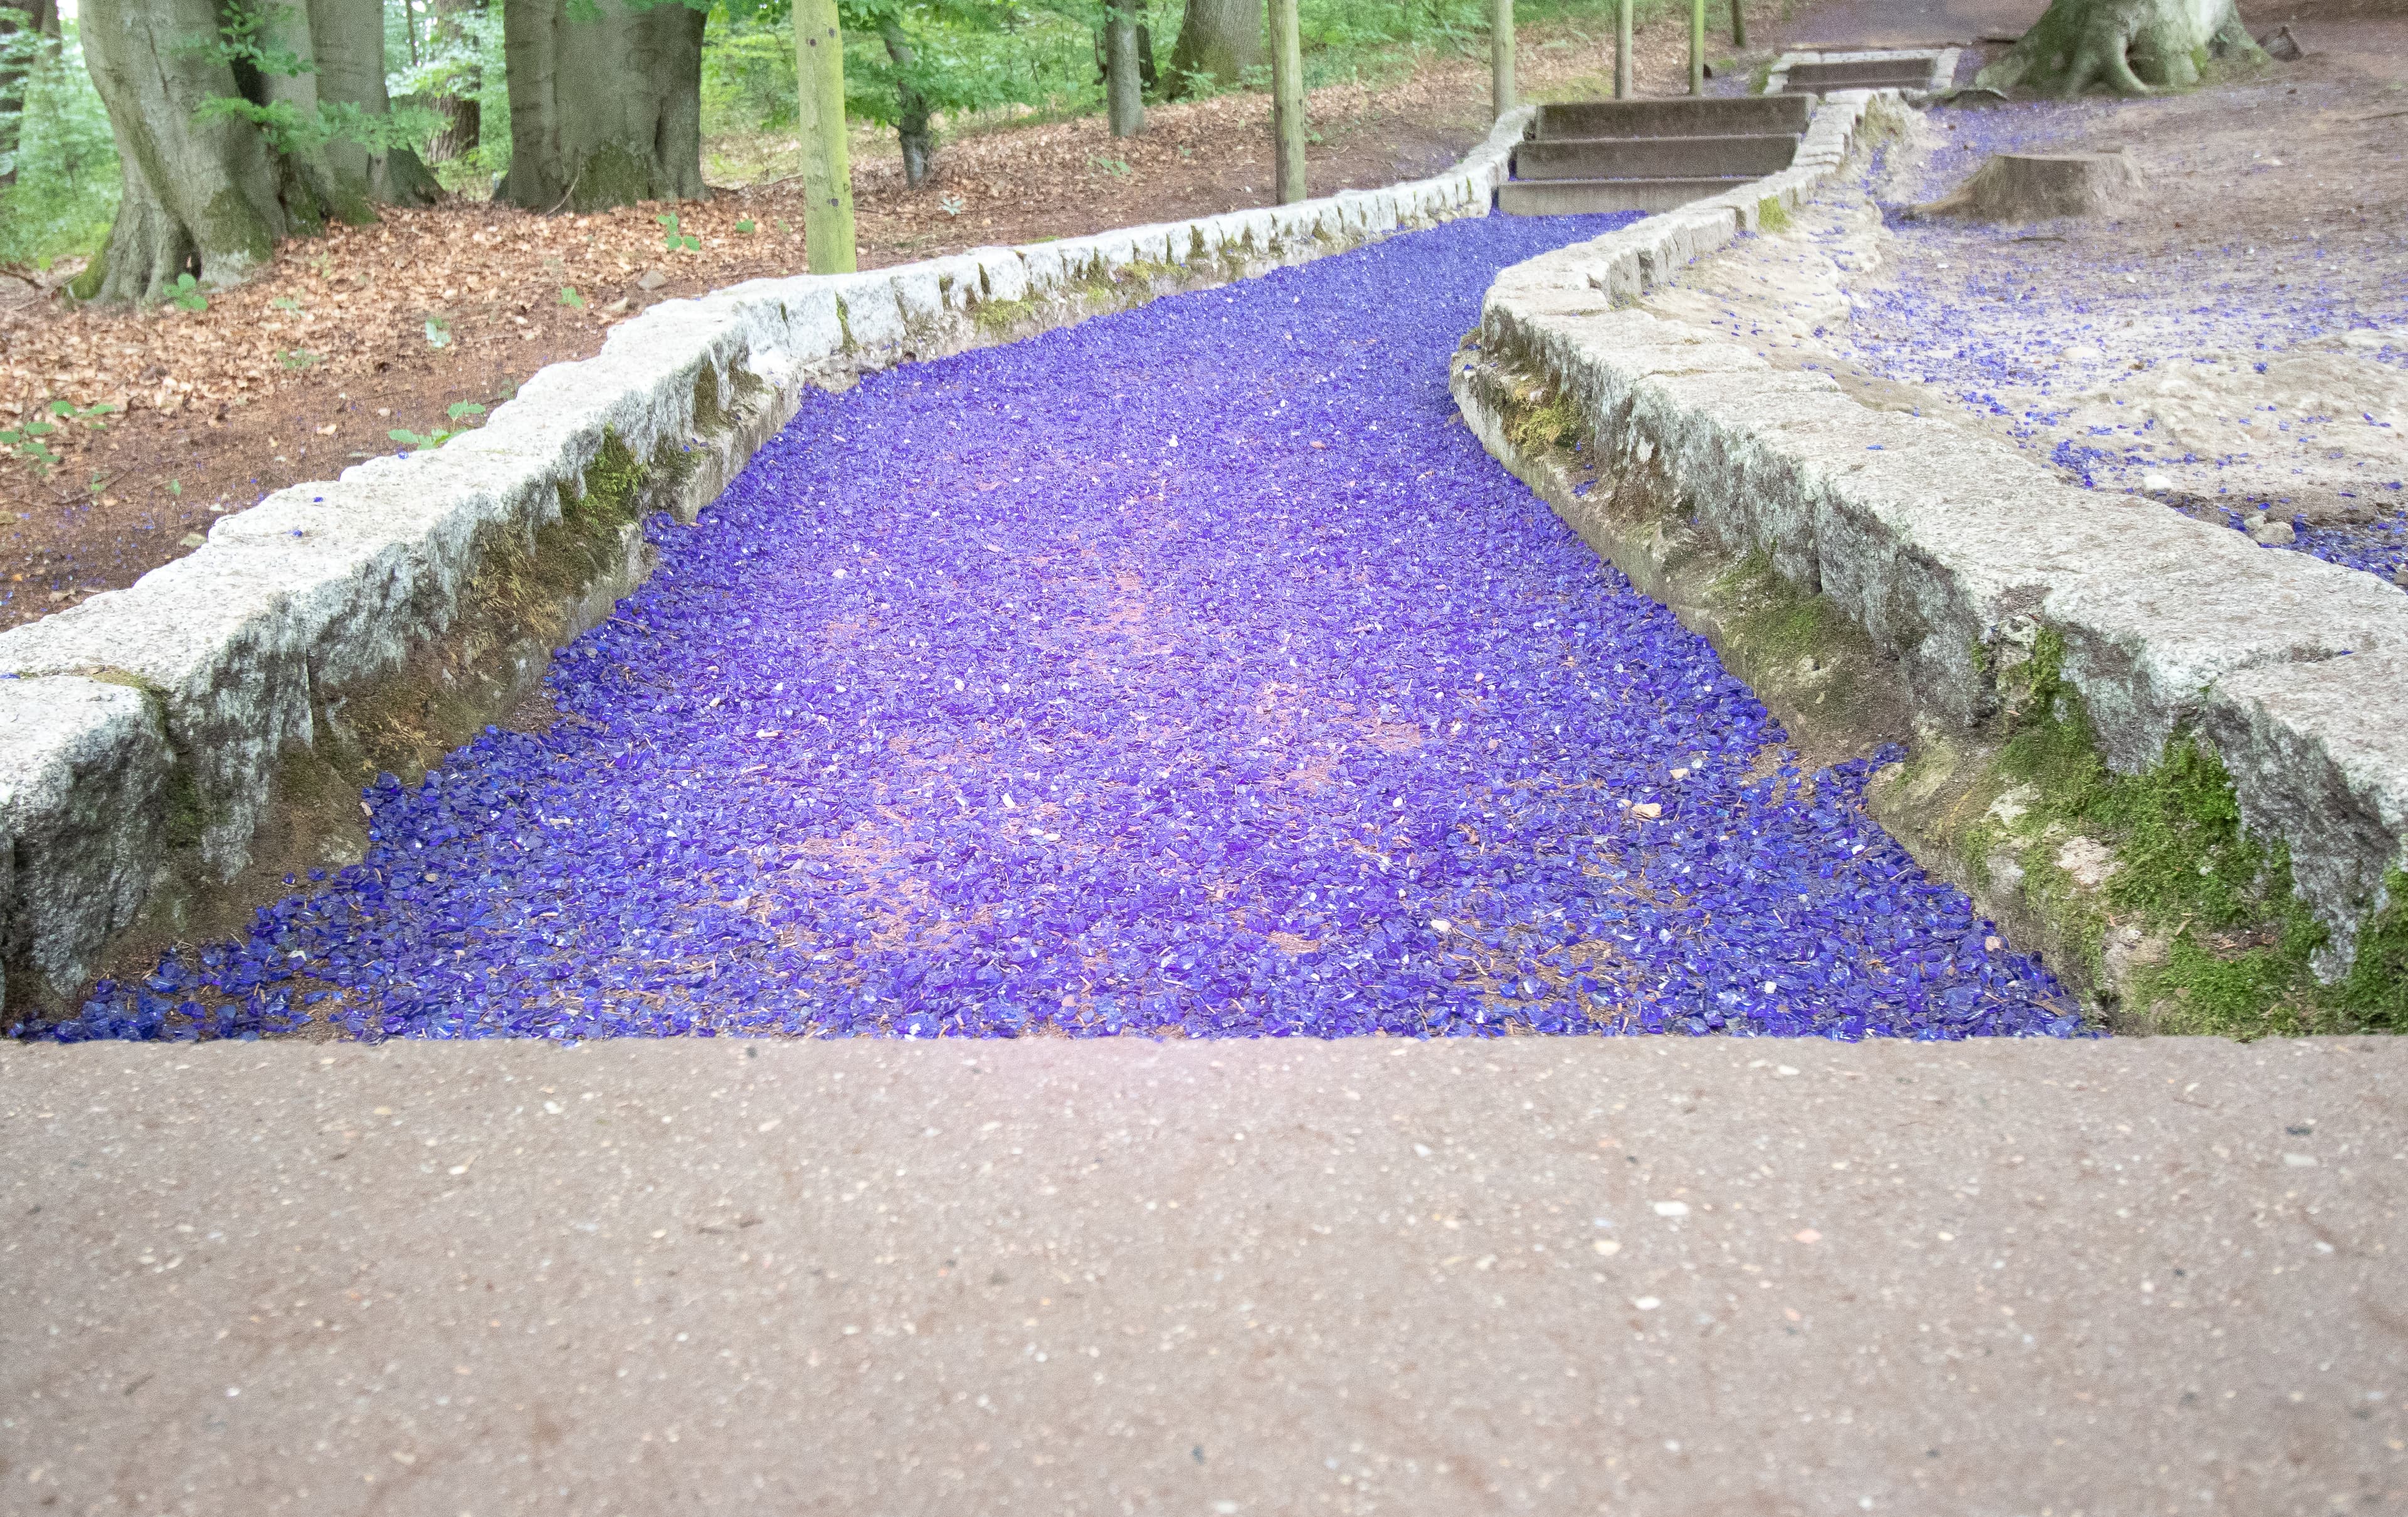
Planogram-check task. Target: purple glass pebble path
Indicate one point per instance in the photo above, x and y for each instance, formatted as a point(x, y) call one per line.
point(1191, 670)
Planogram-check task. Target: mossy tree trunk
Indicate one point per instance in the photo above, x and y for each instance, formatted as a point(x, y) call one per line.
point(2130, 47)
point(221, 116)
point(1219, 39)
point(605, 110)
point(203, 193)
point(348, 41)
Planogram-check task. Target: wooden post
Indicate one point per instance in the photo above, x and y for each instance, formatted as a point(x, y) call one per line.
point(1739, 24)
point(1500, 56)
point(1697, 47)
point(827, 173)
point(1124, 91)
point(1622, 49)
point(1288, 104)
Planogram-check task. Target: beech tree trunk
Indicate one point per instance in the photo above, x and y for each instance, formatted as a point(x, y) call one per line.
point(605, 112)
point(911, 107)
point(463, 115)
point(1124, 81)
point(208, 193)
point(1219, 39)
point(202, 195)
point(348, 39)
point(2131, 46)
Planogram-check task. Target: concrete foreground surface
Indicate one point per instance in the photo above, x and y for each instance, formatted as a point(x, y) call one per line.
point(1640, 1276)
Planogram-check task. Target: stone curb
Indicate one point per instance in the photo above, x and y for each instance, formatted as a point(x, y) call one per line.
point(142, 732)
point(1954, 553)
point(1942, 77)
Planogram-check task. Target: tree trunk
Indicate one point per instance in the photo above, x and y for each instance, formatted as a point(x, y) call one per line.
point(22, 20)
point(203, 196)
point(1219, 39)
point(828, 244)
point(2129, 46)
point(605, 112)
point(463, 115)
point(349, 37)
point(911, 107)
point(1123, 86)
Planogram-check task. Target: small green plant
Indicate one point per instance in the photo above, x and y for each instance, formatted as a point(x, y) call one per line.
point(439, 332)
point(952, 205)
point(674, 238)
point(297, 359)
point(26, 442)
point(785, 226)
point(570, 298)
point(176, 488)
point(745, 226)
point(187, 294)
point(285, 303)
point(89, 415)
point(420, 441)
point(461, 410)
point(1117, 168)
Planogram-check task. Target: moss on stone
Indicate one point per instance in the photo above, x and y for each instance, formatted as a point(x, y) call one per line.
point(2216, 939)
point(1771, 215)
point(1001, 318)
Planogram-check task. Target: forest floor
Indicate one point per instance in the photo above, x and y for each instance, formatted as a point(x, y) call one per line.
point(364, 331)
point(354, 335)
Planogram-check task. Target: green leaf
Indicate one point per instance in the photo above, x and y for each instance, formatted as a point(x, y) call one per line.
point(285, 303)
point(570, 298)
point(464, 408)
point(745, 227)
point(176, 488)
point(439, 332)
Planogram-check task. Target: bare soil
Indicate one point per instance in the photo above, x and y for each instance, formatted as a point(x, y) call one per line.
point(311, 366)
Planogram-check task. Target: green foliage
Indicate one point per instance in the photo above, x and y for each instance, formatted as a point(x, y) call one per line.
point(744, 228)
point(439, 332)
point(461, 410)
point(66, 160)
point(297, 359)
point(674, 239)
point(187, 294)
point(570, 298)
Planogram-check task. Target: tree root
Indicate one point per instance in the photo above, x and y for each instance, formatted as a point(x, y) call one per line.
point(2128, 46)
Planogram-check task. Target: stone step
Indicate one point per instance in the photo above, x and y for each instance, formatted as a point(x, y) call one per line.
point(1683, 115)
point(1580, 197)
point(1630, 158)
point(1861, 74)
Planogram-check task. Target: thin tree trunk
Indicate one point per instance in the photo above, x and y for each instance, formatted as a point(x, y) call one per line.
point(463, 115)
point(911, 107)
point(18, 19)
point(829, 246)
point(1219, 39)
point(1123, 86)
point(605, 112)
point(201, 195)
point(349, 35)
point(1288, 104)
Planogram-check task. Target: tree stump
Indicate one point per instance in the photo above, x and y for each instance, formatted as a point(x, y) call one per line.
point(2041, 186)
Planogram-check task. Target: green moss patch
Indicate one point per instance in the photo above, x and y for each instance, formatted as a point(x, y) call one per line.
point(2190, 923)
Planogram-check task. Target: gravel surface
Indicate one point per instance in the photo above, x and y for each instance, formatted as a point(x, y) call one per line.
point(1189, 670)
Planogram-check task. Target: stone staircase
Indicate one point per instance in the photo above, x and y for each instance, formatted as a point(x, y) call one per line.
point(1649, 155)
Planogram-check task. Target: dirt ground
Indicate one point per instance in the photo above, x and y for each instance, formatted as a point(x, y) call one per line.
point(309, 368)
point(2233, 341)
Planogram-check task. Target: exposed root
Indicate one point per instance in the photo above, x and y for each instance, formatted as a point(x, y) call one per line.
point(2128, 46)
